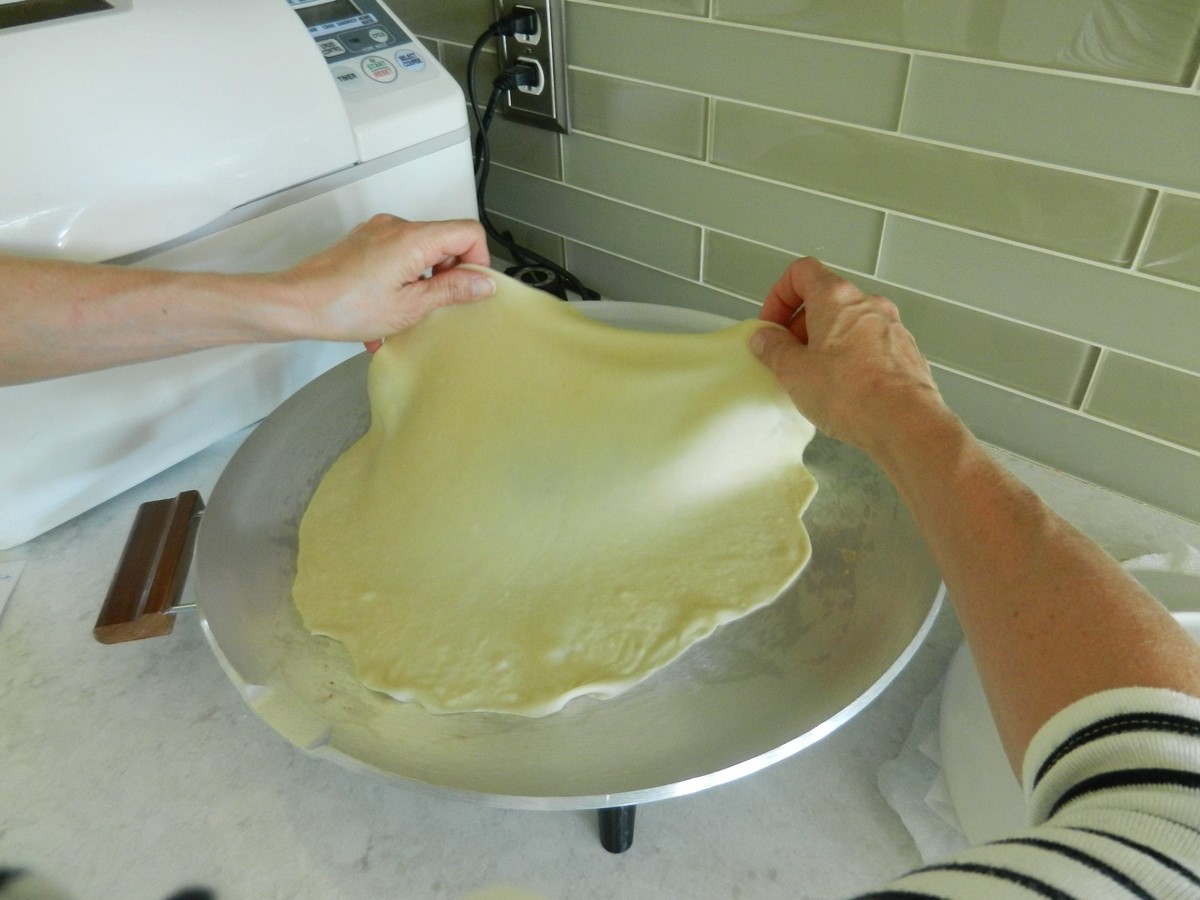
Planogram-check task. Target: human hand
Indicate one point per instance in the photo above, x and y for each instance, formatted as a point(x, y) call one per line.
point(370, 284)
point(843, 357)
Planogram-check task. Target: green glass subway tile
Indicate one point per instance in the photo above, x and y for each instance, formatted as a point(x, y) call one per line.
point(1174, 247)
point(1017, 356)
point(452, 20)
point(620, 279)
point(1098, 305)
point(1148, 398)
point(454, 58)
point(837, 81)
point(1141, 133)
point(1007, 353)
point(661, 118)
point(518, 146)
point(795, 220)
point(1146, 40)
point(682, 7)
point(1136, 466)
point(536, 239)
point(743, 267)
point(559, 209)
point(1077, 214)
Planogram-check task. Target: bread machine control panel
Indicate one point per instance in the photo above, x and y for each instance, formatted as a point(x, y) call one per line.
point(367, 49)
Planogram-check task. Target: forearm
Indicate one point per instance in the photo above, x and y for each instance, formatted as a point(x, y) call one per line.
point(60, 317)
point(63, 317)
point(1049, 616)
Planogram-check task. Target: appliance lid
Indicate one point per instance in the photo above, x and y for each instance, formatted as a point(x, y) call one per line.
point(129, 127)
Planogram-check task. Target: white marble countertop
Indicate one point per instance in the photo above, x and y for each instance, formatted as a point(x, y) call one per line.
point(132, 770)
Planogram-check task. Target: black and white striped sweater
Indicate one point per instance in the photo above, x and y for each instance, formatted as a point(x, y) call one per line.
point(1112, 784)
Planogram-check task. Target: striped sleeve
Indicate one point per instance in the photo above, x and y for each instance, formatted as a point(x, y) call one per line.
point(1113, 789)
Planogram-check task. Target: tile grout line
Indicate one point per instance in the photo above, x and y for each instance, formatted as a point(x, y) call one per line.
point(1088, 380)
point(561, 153)
point(1059, 254)
point(907, 136)
point(877, 268)
point(898, 131)
point(1074, 406)
point(876, 275)
point(892, 48)
point(1139, 256)
point(1042, 401)
point(583, 243)
point(885, 280)
point(903, 214)
point(904, 90)
point(710, 129)
point(637, 262)
point(1194, 62)
point(1090, 417)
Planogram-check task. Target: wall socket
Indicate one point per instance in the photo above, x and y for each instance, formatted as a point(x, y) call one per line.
point(546, 104)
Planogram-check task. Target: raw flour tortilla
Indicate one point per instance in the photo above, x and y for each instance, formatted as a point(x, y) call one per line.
point(546, 506)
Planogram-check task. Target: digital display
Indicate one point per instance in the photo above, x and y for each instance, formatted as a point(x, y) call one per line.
point(326, 13)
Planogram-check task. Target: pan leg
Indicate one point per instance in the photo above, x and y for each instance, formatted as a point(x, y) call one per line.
point(616, 828)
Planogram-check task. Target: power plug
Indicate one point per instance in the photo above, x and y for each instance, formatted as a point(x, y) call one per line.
point(541, 101)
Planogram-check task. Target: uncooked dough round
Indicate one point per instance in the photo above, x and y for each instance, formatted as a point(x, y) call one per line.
point(546, 506)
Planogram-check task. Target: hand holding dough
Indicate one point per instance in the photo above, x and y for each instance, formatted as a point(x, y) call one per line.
point(546, 506)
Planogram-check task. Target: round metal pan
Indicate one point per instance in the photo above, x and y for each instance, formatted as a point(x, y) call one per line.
point(756, 691)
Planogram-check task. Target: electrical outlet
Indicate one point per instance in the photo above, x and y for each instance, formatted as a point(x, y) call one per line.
point(544, 104)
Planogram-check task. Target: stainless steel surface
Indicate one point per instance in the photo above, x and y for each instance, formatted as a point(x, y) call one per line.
point(756, 691)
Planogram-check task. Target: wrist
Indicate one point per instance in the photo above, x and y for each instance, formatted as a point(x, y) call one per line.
point(275, 307)
point(196, 310)
point(914, 424)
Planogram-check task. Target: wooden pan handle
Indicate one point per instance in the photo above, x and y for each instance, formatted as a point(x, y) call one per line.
point(145, 590)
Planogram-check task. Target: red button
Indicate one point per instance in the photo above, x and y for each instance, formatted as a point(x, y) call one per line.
point(379, 68)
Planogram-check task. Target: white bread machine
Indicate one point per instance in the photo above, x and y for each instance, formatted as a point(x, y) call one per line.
point(225, 135)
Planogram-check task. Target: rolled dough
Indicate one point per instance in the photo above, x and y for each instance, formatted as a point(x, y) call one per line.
point(546, 506)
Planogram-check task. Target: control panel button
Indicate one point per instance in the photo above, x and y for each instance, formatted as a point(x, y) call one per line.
point(379, 36)
point(331, 47)
point(379, 68)
point(347, 79)
point(410, 60)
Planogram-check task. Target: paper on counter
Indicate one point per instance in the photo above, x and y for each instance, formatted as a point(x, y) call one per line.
point(1176, 557)
point(914, 786)
point(9, 573)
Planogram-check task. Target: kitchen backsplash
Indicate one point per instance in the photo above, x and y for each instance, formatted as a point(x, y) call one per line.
point(1021, 177)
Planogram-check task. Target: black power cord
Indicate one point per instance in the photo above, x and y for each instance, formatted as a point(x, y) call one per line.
point(531, 267)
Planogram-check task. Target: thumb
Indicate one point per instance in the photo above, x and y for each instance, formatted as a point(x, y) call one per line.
point(451, 286)
point(789, 361)
point(773, 345)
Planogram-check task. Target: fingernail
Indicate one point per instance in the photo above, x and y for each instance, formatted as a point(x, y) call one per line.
point(758, 341)
point(482, 286)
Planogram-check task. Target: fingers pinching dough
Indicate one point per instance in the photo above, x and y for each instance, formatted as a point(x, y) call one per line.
point(546, 506)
